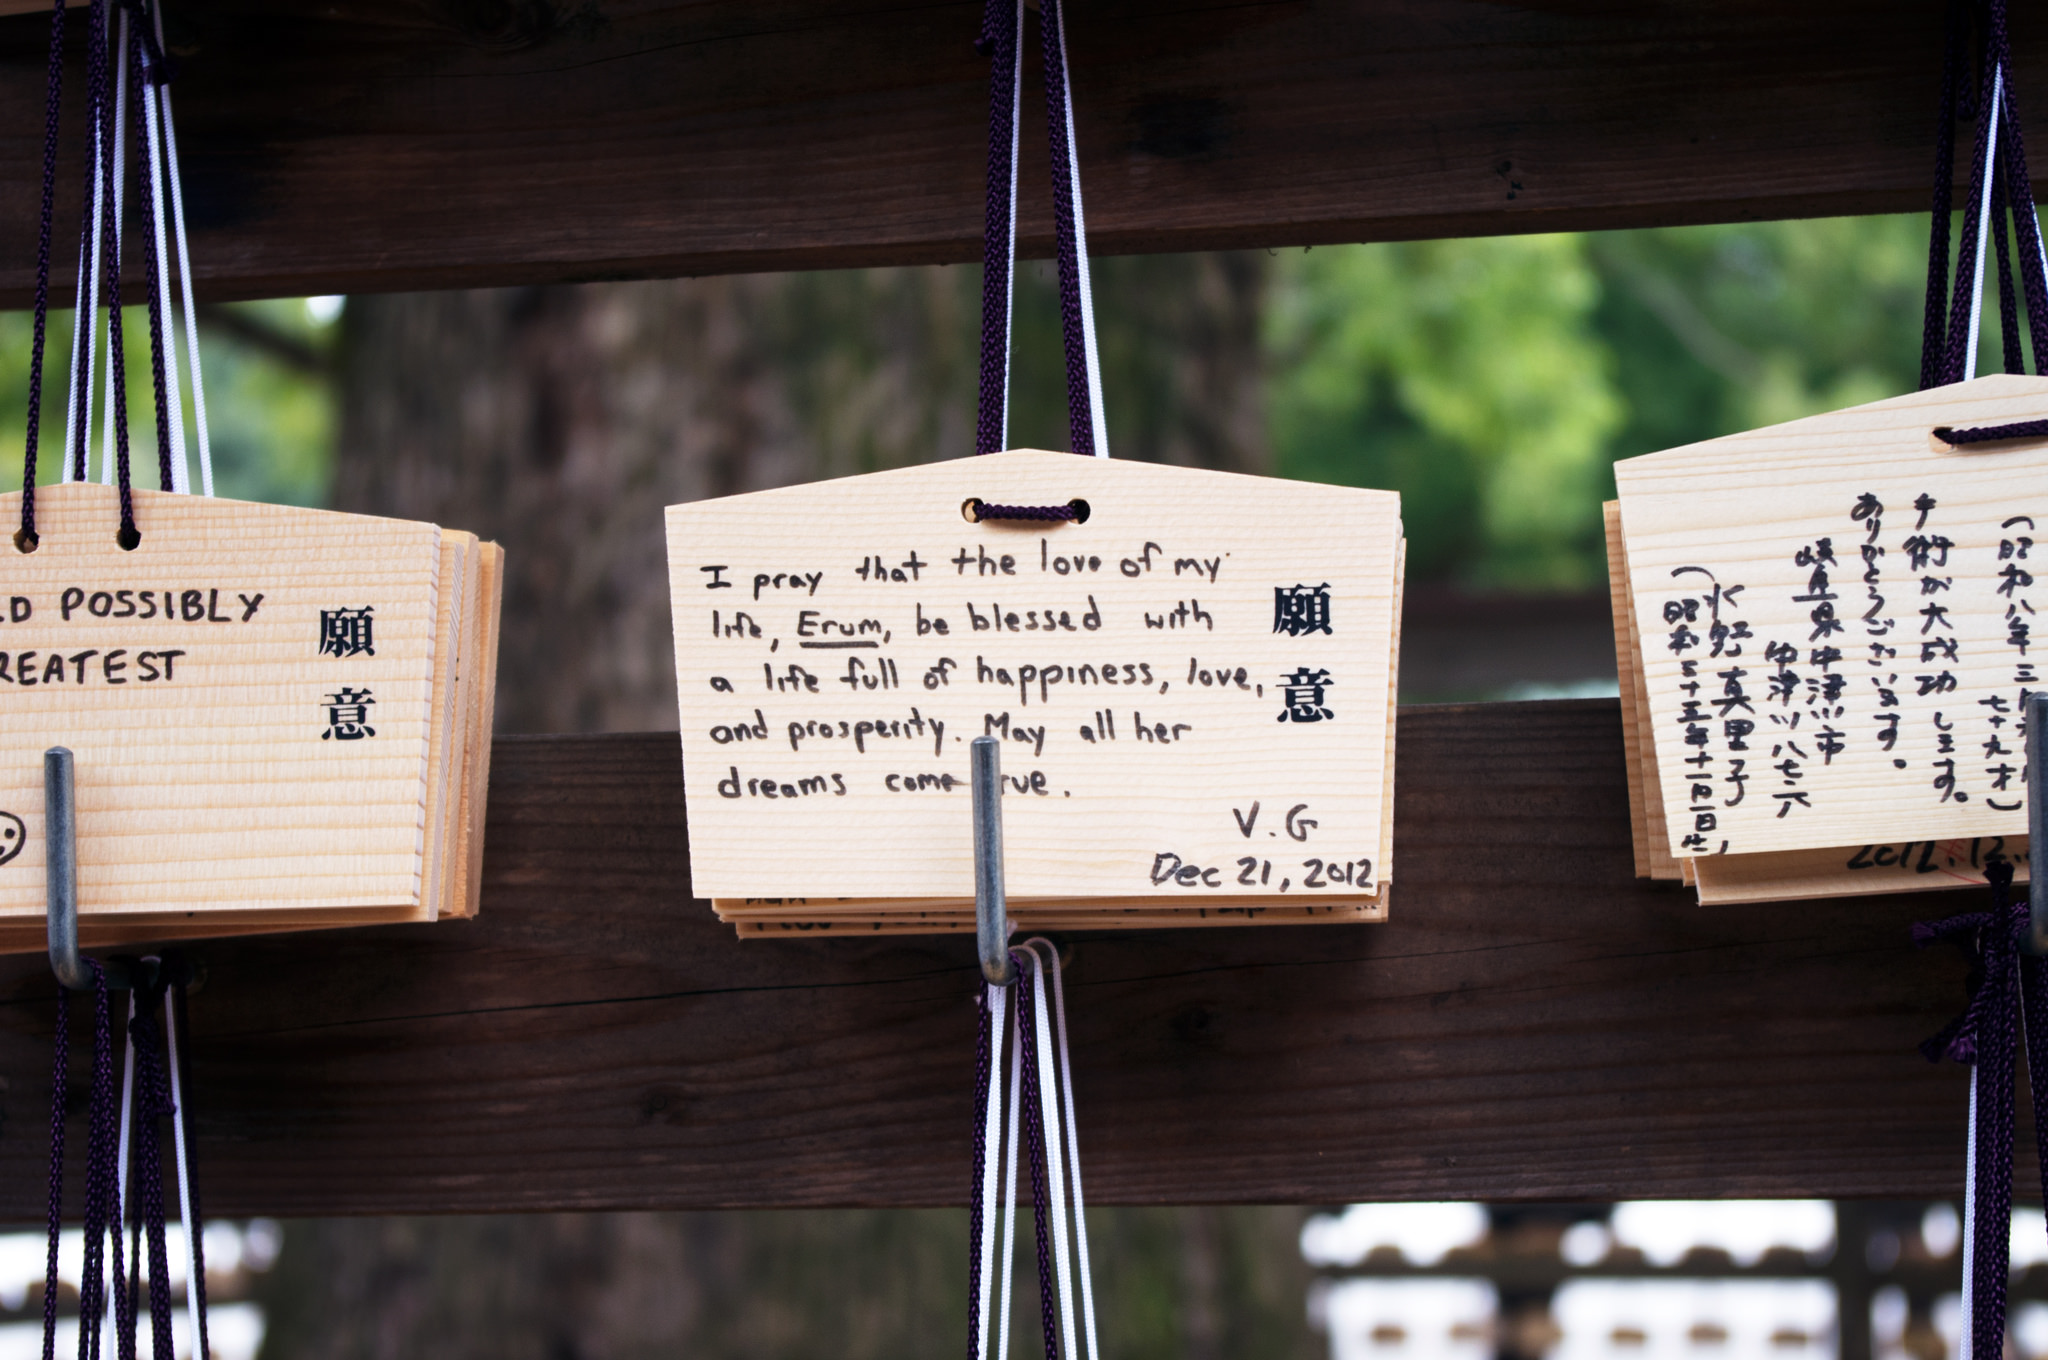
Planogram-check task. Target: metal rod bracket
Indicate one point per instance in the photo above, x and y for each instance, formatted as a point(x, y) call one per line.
point(991, 910)
point(60, 834)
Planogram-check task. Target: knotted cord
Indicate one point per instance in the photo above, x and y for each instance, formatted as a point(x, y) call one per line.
point(141, 69)
point(1999, 185)
point(2004, 980)
point(1042, 1121)
point(1002, 38)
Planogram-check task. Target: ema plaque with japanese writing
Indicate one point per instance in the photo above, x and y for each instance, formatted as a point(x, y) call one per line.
point(278, 716)
point(1192, 687)
point(1827, 631)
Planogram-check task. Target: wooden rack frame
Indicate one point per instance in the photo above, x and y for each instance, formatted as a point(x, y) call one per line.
point(394, 145)
point(1534, 1024)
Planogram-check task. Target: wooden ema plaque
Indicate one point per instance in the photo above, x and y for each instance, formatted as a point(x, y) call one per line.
point(1193, 691)
point(280, 717)
point(1825, 631)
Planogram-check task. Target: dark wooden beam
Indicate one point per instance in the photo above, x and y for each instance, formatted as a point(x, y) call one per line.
point(406, 144)
point(1532, 1024)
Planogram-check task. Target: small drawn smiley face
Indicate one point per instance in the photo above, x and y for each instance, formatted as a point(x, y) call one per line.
point(13, 835)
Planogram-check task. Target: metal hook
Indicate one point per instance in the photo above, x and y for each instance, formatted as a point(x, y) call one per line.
point(991, 913)
point(2037, 821)
point(60, 833)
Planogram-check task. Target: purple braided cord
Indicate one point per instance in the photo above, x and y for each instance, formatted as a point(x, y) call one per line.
point(124, 1323)
point(1985, 1035)
point(195, 1223)
point(2020, 191)
point(1995, 1060)
point(53, 103)
point(1080, 419)
point(2034, 1012)
point(2011, 191)
point(60, 1085)
point(152, 1105)
point(1984, 434)
point(1934, 329)
point(110, 260)
point(97, 175)
point(1045, 513)
point(96, 97)
point(125, 1290)
point(2011, 167)
point(999, 43)
point(1035, 1144)
point(984, 1071)
point(103, 1132)
point(142, 68)
point(1954, 358)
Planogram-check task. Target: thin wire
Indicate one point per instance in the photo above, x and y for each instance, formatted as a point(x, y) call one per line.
point(1095, 417)
point(200, 429)
point(87, 319)
point(1983, 224)
point(114, 1325)
point(153, 1104)
point(2041, 253)
point(1059, 1005)
point(109, 456)
point(180, 474)
point(195, 1260)
point(1008, 1271)
point(140, 73)
point(181, 1002)
point(1055, 1166)
point(185, 281)
point(84, 321)
point(1025, 985)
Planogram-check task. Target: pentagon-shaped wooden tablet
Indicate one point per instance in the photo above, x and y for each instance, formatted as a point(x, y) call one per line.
point(1192, 685)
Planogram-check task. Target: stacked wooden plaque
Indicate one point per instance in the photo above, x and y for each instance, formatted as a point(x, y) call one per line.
point(1192, 683)
point(280, 717)
point(1825, 632)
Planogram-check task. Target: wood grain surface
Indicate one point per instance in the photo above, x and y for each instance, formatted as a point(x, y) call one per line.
point(1934, 582)
point(200, 699)
point(1875, 823)
point(407, 144)
point(1533, 1024)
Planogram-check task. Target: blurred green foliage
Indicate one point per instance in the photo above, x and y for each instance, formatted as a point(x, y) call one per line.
point(1494, 382)
point(270, 408)
point(1467, 375)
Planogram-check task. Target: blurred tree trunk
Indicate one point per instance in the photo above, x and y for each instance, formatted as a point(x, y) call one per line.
point(560, 421)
